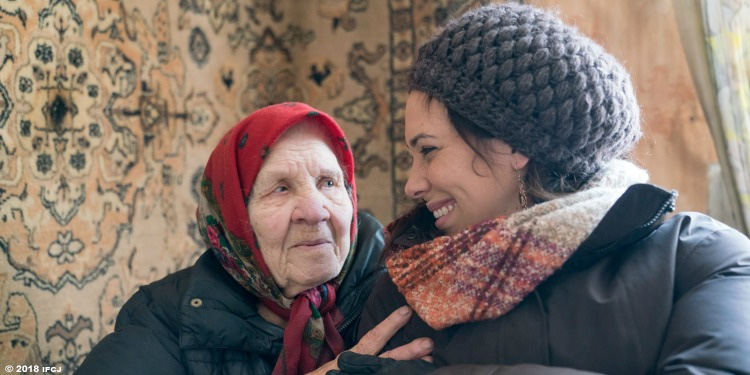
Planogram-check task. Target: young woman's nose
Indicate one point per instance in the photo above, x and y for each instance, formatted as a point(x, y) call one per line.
point(311, 209)
point(416, 186)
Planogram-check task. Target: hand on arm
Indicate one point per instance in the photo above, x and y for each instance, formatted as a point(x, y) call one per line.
point(373, 342)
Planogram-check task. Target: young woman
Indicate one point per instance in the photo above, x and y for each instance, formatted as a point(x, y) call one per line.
point(537, 247)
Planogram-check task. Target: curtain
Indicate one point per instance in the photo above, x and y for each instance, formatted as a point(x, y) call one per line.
point(716, 38)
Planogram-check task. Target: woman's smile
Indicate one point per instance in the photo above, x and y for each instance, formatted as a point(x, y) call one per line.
point(441, 211)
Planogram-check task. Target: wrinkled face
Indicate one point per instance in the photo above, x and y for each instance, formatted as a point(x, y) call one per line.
point(459, 187)
point(301, 211)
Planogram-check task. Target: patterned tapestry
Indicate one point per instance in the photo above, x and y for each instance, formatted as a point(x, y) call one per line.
point(108, 110)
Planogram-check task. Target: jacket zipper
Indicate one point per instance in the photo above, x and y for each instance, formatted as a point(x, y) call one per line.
point(668, 206)
point(354, 317)
point(349, 322)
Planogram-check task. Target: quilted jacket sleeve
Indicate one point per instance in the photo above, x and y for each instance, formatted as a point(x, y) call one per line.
point(709, 332)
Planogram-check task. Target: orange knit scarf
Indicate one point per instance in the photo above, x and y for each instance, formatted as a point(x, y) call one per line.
point(487, 269)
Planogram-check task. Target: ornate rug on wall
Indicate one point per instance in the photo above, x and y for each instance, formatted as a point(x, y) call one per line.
point(109, 109)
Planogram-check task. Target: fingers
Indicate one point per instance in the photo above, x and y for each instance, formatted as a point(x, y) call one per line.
point(374, 341)
point(416, 349)
point(330, 366)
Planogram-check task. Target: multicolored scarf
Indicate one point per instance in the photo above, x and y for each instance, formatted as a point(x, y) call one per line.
point(310, 337)
point(487, 269)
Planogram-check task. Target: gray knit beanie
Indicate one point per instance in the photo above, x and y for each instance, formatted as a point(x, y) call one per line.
point(539, 85)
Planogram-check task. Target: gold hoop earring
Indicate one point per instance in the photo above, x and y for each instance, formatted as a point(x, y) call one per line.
point(522, 191)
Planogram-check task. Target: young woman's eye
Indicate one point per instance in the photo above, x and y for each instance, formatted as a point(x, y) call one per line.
point(426, 150)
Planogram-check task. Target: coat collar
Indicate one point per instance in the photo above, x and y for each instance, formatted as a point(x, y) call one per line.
point(640, 210)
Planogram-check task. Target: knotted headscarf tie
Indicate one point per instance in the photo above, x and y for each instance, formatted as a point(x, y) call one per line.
point(319, 304)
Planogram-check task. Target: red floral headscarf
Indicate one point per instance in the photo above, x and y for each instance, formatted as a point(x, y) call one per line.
point(310, 338)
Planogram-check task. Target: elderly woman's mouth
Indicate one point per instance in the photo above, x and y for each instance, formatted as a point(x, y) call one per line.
point(312, 244)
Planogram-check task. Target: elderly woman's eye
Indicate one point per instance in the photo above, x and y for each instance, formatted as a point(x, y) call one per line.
point(281, 189)
point(328, 182)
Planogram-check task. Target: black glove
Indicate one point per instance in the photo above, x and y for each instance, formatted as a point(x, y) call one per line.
point(351, 363)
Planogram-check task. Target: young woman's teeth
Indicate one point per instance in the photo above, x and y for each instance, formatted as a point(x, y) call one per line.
point(442, 211)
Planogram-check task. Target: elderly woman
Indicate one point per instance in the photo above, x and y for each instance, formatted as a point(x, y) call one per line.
point(289, 266)
point(537, 249)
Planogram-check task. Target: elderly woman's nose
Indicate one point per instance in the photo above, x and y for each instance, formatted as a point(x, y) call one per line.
point(311, 209)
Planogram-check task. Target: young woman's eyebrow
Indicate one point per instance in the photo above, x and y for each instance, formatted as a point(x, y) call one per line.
point(416, 138)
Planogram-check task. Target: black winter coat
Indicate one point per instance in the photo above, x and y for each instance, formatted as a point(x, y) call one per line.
point(201, 321)
point(639, 296)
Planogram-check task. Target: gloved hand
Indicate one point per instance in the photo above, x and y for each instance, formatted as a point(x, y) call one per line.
point(351, 363)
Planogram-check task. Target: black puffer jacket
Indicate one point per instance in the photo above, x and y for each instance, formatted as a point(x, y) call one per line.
point(201, 321)
point(639, 296)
